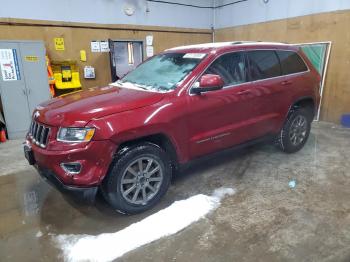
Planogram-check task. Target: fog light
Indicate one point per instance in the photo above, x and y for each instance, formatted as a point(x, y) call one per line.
point(72, 168)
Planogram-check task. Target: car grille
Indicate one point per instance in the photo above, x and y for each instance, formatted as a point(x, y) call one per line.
point(39, 134)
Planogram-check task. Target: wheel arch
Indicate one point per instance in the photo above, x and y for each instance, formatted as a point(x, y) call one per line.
point(159, 139)
point(304, 102)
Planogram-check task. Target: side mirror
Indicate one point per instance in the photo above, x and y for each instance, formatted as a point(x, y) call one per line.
point(208, 82)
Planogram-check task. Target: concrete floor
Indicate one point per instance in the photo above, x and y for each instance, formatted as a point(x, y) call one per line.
point(265, 220)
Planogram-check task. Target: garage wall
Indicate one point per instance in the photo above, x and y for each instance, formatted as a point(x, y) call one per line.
point(112, 12)
point(330, 26)
point(291, 21)
point(256, 11)
point(81, 21)
point(78, 36)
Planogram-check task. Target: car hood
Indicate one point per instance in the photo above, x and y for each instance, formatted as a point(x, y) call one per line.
point(78, 108)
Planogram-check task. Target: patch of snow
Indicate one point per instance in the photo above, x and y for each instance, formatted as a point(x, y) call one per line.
point(39, 234)
point(109, 246)
point(221, 192)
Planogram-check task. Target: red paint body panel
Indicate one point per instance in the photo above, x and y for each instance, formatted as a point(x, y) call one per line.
point(195, 124)
point(95, 158)
point(80, 107)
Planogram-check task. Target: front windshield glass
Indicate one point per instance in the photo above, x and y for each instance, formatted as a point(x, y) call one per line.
point(163, 72)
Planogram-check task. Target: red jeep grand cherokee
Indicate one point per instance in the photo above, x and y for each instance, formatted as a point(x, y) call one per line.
point(127, 138)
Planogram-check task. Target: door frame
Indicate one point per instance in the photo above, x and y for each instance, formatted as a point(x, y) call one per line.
point(143, 51)
point(324, 73)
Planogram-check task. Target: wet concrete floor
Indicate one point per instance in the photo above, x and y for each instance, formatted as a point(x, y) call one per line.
point(266, 220)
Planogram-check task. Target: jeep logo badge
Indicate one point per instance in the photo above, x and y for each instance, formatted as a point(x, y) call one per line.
point(36, 114)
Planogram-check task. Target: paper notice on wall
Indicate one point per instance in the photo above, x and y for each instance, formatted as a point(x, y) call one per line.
point(59, 43)
point(104, 45)
point(149, 51)
point(95, 46)
point(89, 72)
point(9, 65)
point(149, 40)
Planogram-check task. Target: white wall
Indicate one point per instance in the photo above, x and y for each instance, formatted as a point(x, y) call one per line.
point(255, 11)
point(110, 12)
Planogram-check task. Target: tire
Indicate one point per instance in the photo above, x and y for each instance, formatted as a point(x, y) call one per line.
point(295, 131)
point(126, 178)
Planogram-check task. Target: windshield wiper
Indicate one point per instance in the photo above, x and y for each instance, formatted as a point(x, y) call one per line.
point(162, 88)
point(119, 82)
point(140, 86)
point(122, 84)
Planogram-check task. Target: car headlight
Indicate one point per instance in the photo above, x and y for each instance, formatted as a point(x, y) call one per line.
point(75, 135)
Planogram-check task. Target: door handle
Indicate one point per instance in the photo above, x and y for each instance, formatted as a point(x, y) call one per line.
point(287, 82)
point(244, 92)
point(24, 92)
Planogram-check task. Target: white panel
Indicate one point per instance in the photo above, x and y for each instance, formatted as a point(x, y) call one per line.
point(111, 12)
point(255, 11)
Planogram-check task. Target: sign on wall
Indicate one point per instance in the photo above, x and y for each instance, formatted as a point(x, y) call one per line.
point(31, 58)
point(149, 40)
point(149, 51)
point(95, 46)
point(104, 46)
point(9, 65)
point(89, 72)
point(59, 43)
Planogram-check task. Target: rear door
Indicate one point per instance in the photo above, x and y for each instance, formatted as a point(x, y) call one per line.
point(269, 85)
point(294, 70)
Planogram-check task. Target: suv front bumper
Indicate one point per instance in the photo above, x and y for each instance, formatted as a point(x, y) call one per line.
point(86, 194)
point(94, 158)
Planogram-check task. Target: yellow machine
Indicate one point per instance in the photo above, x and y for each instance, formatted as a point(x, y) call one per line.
point(66, 74)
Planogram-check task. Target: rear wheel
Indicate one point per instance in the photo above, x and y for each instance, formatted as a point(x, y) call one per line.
point(295, 131)
point(138, 179)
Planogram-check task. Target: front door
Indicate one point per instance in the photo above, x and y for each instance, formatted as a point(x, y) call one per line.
point(220, 119)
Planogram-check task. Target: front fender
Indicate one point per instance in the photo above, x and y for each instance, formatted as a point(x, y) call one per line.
point(167, 118)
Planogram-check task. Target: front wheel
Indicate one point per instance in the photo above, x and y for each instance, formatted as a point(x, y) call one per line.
point(138, 179)
point(295, 131)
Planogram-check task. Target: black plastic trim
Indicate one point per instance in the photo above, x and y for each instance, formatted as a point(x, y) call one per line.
point(86, 194)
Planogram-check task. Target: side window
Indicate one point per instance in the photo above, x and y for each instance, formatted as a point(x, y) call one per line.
point(231, 67)
point(291, 62)
point(263, 64)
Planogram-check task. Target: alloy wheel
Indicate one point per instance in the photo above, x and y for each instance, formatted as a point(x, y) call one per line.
point(141, 180)
point(298, 130)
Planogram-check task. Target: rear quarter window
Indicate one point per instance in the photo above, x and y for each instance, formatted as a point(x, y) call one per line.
point(291, 62)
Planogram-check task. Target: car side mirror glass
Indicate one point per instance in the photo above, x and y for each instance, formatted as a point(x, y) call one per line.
point(208, 82)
